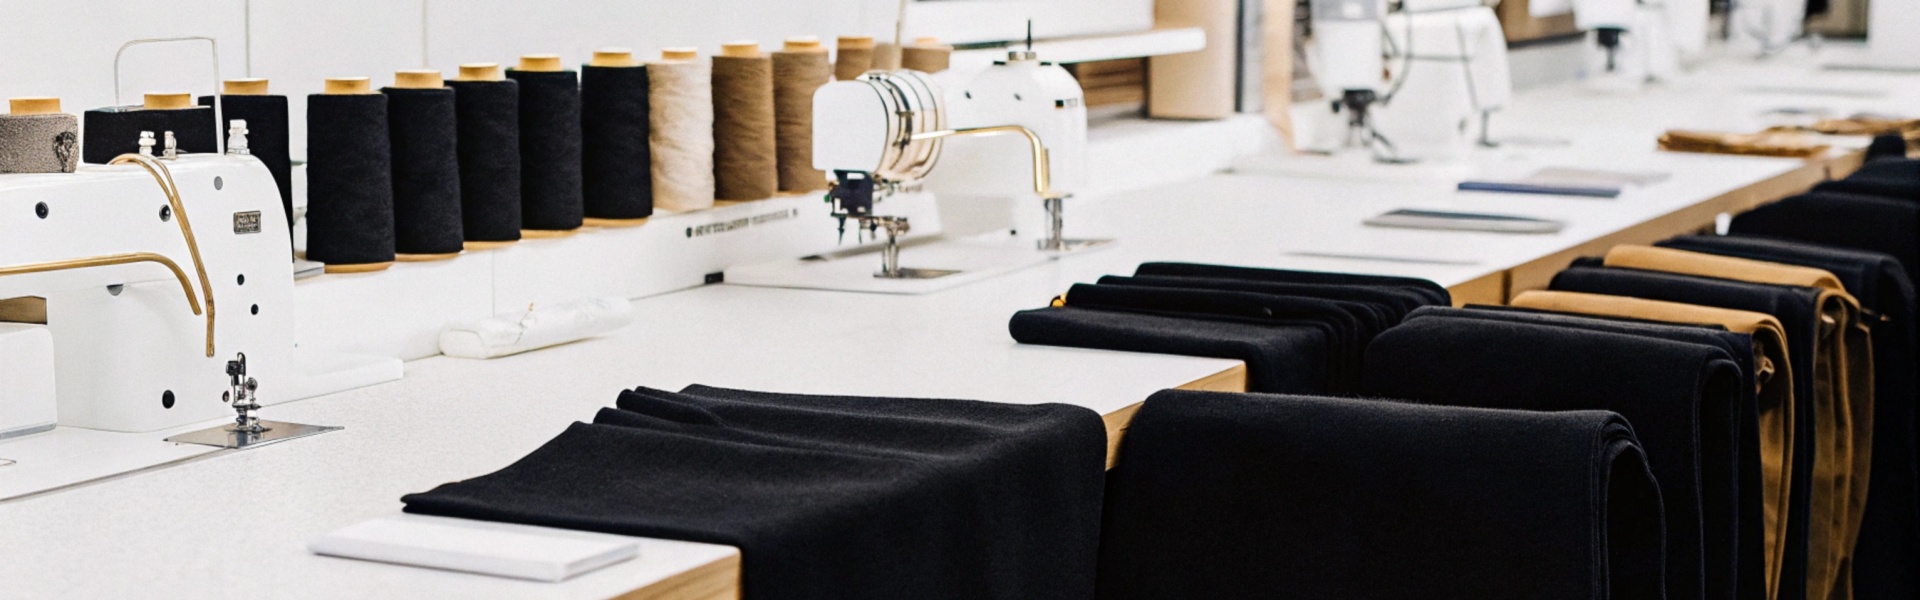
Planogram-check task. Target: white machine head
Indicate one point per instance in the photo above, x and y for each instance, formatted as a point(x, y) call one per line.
point(139, 346)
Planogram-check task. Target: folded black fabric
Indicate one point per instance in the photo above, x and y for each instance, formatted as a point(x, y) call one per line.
point(1887, 146)
point(1347, 331)
point(1889, 170)
point(1678, 395)
point(827, 497)
point(1257, 496)
point(1434, 293)
point(1375, 312)
point(1886, 225)
point(1887, 557)
point(1798, 311)
point(1281, 357)
point(1739, 490)
point(1866, 187)
point(1392, 302)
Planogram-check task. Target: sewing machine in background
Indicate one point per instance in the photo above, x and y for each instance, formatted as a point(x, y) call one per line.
point(897, 134)
point(1417, 84)
point(1630, 43)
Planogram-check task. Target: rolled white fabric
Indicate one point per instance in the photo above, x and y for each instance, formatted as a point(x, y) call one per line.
point(539, 327)
point(681, 116)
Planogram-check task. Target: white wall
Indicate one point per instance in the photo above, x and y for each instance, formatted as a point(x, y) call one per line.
point(65, 48)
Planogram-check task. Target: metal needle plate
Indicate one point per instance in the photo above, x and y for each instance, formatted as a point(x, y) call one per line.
point(912, 273)
point(222, 437)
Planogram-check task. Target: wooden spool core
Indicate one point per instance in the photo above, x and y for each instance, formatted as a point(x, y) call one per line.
point(547, 234)
point(346, 86)
point(740, 49)
point(613, 57)
point(593, 222)
point(361, 268)
point(679, 53)
point(927, 42)
point(244, 87)
point(540, 62)
point(425, 257)
point(33, 105)
point(473, 246)
point(856, 41)
point(418, 80)
point(481, 72)
point(803, 43)
point(169, 101)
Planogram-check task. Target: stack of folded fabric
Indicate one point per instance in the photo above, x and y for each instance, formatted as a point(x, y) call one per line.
point(1260, 496)
point(827, 497)
point(1895, 177)
point(1887, 555)
point(1299, 332)
point(1833, 395)
point(1766, 143)
point(1683, 390)
point(1875, 223)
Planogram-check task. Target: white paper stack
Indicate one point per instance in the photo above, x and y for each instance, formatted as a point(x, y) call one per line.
point(487, 548)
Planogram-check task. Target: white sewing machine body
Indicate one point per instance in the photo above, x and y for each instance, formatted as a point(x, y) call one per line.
point(887, 134)
point(1631, 43)
point(1766, 27)
point(984, 179)
point(130, 354)
point(990, 176)
point(1447, 70)
point(1458, 75)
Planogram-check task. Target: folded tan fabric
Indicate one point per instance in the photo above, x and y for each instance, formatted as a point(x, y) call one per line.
point(1843, 372)
point(1865, 125)
point(1775, 377)
point(1786, 144)
point(1668, 260)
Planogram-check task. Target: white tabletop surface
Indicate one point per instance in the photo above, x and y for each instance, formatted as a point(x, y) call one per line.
point(239, 520)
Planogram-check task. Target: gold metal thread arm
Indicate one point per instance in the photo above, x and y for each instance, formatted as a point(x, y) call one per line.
point(165, 178)
point(1042, 172)
point(107, 260)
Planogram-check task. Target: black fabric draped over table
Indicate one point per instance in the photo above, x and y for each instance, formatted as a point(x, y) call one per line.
point(1299, 332)
point(1681, 397)
point(827, 497)
point(1344, 498)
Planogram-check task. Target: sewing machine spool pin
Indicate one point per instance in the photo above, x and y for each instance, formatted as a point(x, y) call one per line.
point(247, 429)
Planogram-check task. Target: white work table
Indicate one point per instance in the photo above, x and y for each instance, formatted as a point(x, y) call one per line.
point(240, 520)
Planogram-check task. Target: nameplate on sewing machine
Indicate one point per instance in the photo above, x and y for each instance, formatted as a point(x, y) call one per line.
point(740, 223)
point(246, 222)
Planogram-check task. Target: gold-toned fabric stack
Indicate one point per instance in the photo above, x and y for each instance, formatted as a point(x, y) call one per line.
point(1768, 143)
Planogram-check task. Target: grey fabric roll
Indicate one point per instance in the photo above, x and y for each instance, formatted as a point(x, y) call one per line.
point(47, 143)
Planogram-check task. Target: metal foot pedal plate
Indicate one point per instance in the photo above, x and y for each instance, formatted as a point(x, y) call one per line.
point(225, 437)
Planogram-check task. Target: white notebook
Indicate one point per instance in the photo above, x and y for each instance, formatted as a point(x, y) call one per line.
point(487, 548)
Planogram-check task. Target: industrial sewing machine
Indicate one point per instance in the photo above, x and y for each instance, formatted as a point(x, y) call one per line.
point(1631, 42)
point(892, 134)
point(1417, 84)
point(156, 293)
point(140, 282)
point(153, 293)
point(152, 273)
